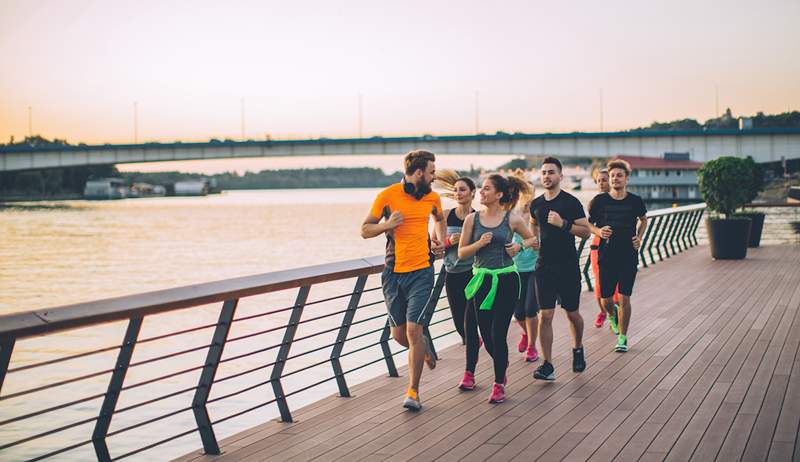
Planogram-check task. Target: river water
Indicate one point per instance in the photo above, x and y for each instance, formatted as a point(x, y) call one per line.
point(54, 254)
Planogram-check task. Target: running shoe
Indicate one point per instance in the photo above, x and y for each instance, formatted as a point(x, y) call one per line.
point(622, 344)
point(411, 401)
point(531, 355)
point(468, 382)
point(523, 343)
point(612, 323)
point(601, 318)
point(578, 361)
point(430, 356)
point(498, 394)
point(545, 372)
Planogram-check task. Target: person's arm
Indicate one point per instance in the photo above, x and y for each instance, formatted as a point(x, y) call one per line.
point(466, 248)
point(380, 209)
point(443, 238)
point(373, 227)
point(579, 227)
point(637, 239)
point(518, 226)
point(594, 212)
point(439, 230)
point(534, 226)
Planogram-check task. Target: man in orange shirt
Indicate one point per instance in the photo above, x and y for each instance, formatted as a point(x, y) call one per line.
point(407, 278)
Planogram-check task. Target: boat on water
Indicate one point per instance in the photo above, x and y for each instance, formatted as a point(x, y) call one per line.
point(794, 195)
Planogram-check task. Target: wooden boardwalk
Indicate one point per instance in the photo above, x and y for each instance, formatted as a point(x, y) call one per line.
point(713, 372)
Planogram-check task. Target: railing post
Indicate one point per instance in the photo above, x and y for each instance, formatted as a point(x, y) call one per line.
point(6, 347)
point(579, 251)
point(696, 225)
point(673, 230)
point(689, 223)
point(114, 388)
point(433, 301)
point(644, 242)
point(586, 275)
point(670, 223)
point(653, 240)
point(676, 238)
point(283, 353)
point(347, 319)
point(387, 352)
point(201, 417)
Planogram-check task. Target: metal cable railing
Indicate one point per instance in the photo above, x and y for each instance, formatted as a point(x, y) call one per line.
point(669, 231)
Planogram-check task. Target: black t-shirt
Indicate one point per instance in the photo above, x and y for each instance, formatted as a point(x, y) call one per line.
point(557, 245)
point(622, 216)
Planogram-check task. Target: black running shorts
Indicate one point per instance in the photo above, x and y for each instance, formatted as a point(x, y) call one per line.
point(613, 274)
point(558, 282)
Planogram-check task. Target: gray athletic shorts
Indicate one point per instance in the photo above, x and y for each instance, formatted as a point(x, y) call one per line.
point(408, 295)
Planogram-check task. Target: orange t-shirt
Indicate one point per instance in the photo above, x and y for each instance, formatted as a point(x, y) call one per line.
point(408, 247)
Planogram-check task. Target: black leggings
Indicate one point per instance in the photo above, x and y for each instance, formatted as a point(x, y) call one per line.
point(493, 324)
point(455, 283)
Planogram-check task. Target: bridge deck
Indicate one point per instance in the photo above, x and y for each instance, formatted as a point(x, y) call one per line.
point(713, 372)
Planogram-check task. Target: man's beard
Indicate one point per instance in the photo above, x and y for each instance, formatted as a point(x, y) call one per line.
point(421, 189)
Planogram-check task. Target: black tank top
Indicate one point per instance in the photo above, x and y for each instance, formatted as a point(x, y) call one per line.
point(453, 220)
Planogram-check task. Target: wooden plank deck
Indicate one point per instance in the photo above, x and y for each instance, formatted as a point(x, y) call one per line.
point(713, 372)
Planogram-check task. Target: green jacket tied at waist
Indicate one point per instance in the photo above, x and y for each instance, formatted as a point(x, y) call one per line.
point(477, 281)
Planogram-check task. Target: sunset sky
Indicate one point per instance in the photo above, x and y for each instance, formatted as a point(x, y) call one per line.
point(299, 66)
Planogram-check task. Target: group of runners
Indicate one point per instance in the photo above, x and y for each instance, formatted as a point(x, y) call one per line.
point(515, 257)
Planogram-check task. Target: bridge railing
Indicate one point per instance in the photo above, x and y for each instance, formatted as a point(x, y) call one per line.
point(257, 360)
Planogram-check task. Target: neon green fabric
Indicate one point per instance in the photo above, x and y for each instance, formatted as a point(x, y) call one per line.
point(477, 281)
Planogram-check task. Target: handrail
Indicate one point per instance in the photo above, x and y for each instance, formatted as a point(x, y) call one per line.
point(48, 320)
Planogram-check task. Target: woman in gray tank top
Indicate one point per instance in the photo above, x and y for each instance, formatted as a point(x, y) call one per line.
point(494, 288)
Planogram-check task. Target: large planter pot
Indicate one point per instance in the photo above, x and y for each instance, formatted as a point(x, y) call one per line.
point(728, 238)
point(756, 227)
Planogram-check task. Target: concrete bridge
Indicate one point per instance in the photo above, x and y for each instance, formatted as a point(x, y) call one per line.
point(764, 145)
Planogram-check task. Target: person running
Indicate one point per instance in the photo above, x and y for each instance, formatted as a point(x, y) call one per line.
point(527, 310)
point(601, 180)
point(407, 277)
point(494, 288)
point(615, 215)
point(557, 217)
point(457, 272)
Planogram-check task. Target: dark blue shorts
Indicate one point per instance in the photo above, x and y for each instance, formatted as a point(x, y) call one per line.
point(408, 296)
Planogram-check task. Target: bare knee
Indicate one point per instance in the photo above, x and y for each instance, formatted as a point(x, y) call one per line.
point(546, 317)
point(399, 335)
point(574, 316)
point(414, 332)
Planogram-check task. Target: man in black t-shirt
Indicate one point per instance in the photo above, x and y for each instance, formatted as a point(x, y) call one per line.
point(614, 216)
point(558, 217)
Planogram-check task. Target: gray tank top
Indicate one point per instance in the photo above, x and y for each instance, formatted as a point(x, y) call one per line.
point(494, 255)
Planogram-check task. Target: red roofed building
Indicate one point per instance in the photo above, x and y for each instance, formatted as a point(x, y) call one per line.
point(671, 178)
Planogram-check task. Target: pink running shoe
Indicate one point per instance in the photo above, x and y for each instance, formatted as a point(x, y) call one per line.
point(531, 355)
point(601, 318)
point(498, 394)
point(468, 382)
point(523, 343)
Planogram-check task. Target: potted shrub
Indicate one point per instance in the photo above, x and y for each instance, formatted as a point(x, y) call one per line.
point(725, 186)
point(757, 218)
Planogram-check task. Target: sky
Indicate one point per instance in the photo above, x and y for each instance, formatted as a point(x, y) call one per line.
point(119, 71)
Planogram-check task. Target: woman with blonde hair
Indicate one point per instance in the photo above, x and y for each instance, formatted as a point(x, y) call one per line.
point(457, 272)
